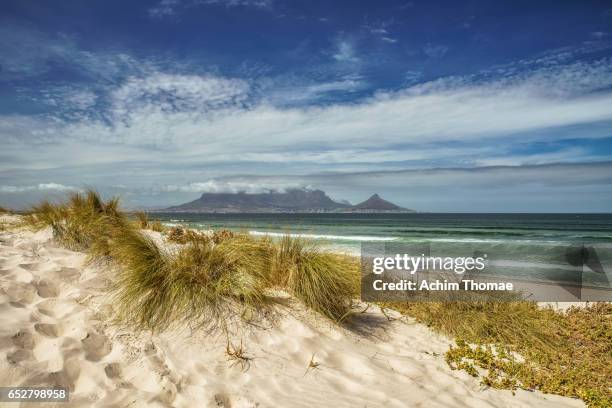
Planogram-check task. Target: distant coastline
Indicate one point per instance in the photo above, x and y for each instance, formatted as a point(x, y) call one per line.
point(281, 211)
point(291, 202)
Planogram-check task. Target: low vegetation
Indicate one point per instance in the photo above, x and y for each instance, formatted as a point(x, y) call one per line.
point(206, 278)
point(324, 281)
point(81, 223)
point(203, 278)
point(143, 221)
point(519, 345)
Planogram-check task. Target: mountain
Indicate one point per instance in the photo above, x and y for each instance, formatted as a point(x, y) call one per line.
point(294, 200)
point(290, 201)
point(375, 203)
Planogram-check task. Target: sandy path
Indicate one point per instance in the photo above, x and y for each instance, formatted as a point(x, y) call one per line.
point(53, 330)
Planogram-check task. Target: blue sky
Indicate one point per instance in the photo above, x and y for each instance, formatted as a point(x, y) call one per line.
point(438, 106)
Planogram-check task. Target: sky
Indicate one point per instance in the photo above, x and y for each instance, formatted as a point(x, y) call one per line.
point(456, 106)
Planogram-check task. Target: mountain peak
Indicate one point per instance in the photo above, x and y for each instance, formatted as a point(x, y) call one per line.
point(375, 203)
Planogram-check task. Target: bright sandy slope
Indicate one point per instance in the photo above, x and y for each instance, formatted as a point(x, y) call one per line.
point(54, 329)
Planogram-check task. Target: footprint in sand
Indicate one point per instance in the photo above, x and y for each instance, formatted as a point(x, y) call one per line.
point(113, 370)
point(46, 289)
point(28, 266)
point(113, 373)
point(47, 329)
point(46, 307)
point(23, 339)
point(222, 400)
point(171, 382)
point(96, 346)
point(66, 378)
point(18, 356)
point(21, 293)
point(67, 274)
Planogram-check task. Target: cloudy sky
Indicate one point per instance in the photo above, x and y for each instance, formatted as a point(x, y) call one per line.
point(438, 106)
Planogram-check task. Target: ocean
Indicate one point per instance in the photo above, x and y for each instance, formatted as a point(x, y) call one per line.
point(517, 244)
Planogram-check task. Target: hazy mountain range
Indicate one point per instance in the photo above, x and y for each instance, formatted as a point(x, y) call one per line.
point(294, 200)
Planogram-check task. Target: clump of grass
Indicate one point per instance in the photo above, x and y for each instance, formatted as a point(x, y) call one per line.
point(198, 284)
point(157, 226)
point(180, 235)
point(222, 235)
point(518, 345)
point(490, 322)
point(204, 279)
point(144, 222)
point(3, 210)
point(323, 281)
point(143, 219)
point(81, 222)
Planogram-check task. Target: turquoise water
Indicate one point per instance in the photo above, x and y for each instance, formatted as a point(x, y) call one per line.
point(517, 244)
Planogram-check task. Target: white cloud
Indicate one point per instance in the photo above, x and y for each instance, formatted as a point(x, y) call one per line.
point(235, 186)
point(389, 40)
point(435, 51)
point(38, 187)
point(295, 92)
point(161, 92)
point(345, 51)
point(168, 8)
point(164, 8)
point(27, 53)
point(206, 116)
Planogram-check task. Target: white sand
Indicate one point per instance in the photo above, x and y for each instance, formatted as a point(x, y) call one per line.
point(54, 330)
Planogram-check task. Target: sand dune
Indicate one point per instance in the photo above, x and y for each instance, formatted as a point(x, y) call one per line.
point(55, 330)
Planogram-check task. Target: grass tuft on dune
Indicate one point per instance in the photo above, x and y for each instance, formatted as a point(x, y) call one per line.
point(81, 223)
point(198, 284)
point(323, 281)
point(206, 277)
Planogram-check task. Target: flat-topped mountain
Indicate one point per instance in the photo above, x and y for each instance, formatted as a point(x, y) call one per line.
point(291, 200)
point(294, 200)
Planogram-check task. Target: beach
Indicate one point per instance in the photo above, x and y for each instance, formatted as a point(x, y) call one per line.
point(56, 330)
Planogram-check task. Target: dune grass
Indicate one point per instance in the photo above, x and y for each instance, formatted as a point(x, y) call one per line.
point(198, 284)
point(567, 353)
point(3, 210)
point(80, 223)
point(144, 222)
point(323, 281)
point(207, 277)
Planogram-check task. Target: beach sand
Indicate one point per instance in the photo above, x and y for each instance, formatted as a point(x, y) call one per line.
point(55, 330)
